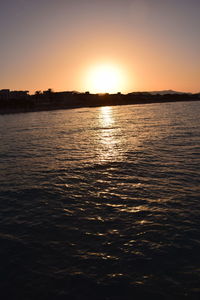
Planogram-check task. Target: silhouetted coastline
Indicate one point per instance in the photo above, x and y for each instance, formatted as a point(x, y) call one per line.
point(21, 101)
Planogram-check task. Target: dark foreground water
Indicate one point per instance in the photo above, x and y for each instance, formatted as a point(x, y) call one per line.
point(101, 203)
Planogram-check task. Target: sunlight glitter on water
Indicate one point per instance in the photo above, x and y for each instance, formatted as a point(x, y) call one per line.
point(109, 136)
point(106, 116)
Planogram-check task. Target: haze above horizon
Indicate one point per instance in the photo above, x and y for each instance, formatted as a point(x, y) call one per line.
point(100, 45)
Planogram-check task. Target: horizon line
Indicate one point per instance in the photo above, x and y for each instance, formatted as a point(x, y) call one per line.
point(51, 90)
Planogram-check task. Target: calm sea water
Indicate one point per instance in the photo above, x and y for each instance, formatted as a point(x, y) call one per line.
point(101, 203)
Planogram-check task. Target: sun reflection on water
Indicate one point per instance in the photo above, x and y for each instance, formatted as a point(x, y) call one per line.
point(106, 116)
point(110, 139)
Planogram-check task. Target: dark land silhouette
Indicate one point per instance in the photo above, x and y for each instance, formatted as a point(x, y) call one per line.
point(22, 101)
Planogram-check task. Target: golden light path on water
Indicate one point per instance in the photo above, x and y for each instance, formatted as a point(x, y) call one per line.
point(115, 142)
point(109, 135)
point(106, 114)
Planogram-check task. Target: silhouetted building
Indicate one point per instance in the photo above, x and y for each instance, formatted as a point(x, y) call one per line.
point(6, 94)
point(19, 94)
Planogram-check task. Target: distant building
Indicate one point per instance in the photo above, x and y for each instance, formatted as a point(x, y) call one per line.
point(6, 94)
point(19, 94)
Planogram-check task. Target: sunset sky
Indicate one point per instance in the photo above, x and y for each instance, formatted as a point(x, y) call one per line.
point(59, 44)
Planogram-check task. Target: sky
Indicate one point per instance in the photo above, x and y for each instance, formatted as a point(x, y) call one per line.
point(153, 44)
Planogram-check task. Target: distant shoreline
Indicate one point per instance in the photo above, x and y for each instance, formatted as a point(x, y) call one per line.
point(66, 100)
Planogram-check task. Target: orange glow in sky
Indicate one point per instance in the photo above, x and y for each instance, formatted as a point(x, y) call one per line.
point(100, 45)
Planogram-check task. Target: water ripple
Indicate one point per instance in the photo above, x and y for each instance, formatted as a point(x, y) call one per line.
point(101, 203)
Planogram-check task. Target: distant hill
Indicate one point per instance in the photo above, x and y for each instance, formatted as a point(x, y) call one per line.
point(171, 92)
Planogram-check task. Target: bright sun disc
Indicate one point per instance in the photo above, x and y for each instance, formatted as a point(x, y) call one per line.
point(105, 79)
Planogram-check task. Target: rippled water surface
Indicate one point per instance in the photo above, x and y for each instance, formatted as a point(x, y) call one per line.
point(101, 203)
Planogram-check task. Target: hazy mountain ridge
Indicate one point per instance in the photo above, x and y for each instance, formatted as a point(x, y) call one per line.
point(167, 92)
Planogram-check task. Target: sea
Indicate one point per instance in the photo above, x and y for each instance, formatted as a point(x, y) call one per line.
point(101, 203)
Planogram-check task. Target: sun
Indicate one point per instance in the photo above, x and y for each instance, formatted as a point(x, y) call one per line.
point(105, 78)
